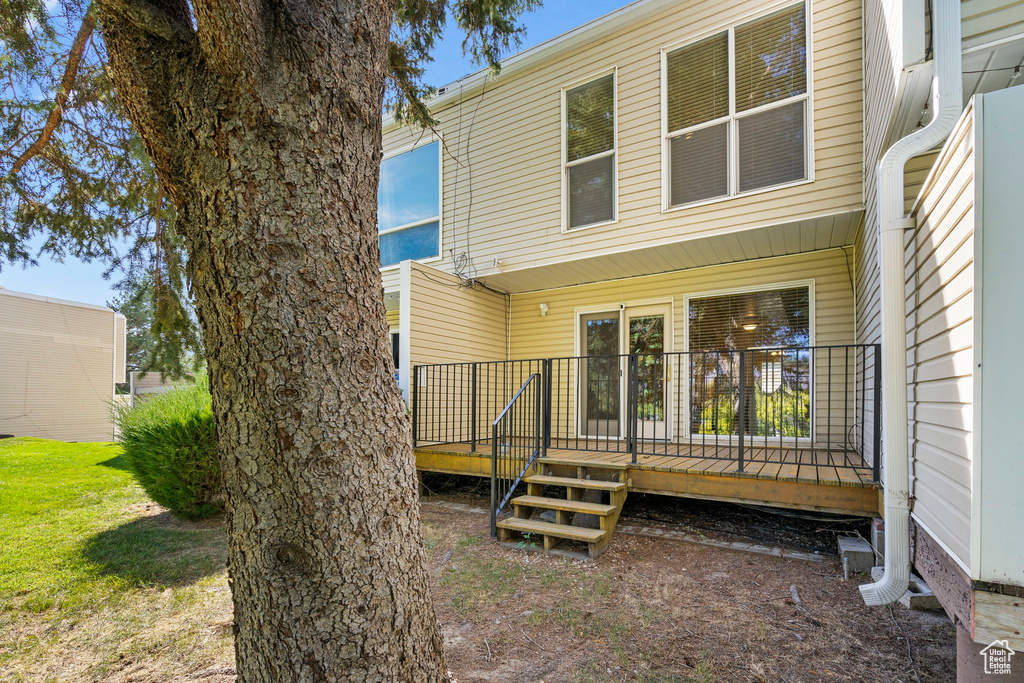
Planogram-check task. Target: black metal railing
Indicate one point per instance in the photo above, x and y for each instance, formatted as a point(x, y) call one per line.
point(517, 440)
point(791, 405)
point(456, 403)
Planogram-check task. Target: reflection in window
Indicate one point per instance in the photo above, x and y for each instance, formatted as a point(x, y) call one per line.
point(647, 341)
point(409, 205)
point(600, 374)
point(590, 152)
point(772, 330)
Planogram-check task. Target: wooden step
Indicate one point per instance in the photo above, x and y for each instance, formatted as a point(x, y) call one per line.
point(567, 505)
point(582, 463)
point(532, 526)
point(547, 480)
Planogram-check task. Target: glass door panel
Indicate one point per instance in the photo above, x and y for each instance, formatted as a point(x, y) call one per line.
point(600, 386)
point(647, 342)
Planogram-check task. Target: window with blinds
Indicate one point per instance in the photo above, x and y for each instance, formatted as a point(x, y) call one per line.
point(776, 318)
point(590, 153)
point(738, 124)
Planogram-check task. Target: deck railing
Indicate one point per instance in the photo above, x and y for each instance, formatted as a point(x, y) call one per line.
point(750, 407)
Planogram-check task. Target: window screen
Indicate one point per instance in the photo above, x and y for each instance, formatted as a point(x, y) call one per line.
point(700, 164)
point(590, 152)
point(771, 147)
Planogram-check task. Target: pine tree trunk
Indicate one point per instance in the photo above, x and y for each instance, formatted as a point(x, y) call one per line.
point(264, 124)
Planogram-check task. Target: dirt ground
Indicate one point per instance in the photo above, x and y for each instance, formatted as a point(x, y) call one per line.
point(654, 609)
point(649, 609)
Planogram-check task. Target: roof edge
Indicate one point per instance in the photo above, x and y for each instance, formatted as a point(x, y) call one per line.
point(552, 47)
point(53, 300)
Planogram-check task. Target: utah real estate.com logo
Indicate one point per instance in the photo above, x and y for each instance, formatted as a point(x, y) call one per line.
point(997, 657)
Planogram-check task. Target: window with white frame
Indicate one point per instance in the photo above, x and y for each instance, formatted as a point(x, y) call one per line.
point(736, 114)
point(409, 205)
point(589, 141)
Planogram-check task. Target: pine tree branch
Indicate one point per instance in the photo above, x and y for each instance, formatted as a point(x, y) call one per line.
point(63, 91)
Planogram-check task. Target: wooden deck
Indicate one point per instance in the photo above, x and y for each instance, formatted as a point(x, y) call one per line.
point(799, 478)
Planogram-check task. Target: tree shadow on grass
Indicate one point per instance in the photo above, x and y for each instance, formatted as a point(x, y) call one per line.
point(160, 550)
point(118, 462)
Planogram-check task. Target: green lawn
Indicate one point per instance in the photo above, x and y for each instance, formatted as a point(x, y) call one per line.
point(88, 563)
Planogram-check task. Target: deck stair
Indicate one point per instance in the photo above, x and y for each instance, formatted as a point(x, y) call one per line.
point(586, 516)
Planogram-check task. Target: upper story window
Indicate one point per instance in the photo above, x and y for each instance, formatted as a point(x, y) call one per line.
point(409, 205)
point(589, 142)
point(736, 114)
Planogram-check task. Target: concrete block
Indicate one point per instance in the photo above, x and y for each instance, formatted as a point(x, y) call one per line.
point(857, 552)
point(920, 596)
point(878, 539)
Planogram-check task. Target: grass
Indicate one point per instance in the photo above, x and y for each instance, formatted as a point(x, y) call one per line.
point(89, 566)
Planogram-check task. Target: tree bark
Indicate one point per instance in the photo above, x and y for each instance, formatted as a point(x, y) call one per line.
point(264, 123)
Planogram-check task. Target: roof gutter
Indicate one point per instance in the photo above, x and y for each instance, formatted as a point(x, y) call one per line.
point(947, 102)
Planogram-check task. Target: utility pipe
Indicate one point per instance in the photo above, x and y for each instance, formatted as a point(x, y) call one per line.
point(947, 103)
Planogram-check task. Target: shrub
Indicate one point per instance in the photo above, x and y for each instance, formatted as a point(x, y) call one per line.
point(170, 445)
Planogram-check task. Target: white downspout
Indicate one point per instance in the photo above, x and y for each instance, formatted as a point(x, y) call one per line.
point(947, 102)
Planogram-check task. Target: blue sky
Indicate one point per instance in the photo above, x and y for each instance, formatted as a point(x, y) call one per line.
point(80, 281)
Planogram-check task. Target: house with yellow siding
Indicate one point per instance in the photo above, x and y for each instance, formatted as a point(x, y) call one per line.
point(648, 256)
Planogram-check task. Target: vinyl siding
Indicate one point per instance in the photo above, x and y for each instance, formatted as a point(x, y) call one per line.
point(940, 281)
point(57, 368)
point(987, 21)
point(502, 190)
point(394, 316)
point(453, 324)
point(997, 534)
point(554, 335)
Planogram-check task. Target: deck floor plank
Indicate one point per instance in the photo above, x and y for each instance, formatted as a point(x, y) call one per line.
point(762, 461)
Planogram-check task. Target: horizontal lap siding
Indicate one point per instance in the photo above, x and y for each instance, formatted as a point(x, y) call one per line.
point(534, 336)
point(940, 343)
point(987, 21)
point(56, 369)
point(503, 153)
point(453, 324)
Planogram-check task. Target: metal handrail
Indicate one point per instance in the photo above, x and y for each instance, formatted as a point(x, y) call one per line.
point(508, 470)
point(514, 399)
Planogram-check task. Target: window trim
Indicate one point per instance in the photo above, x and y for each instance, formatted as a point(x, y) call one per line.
point(566, 165)
point(807, 98)
point(439, 219)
